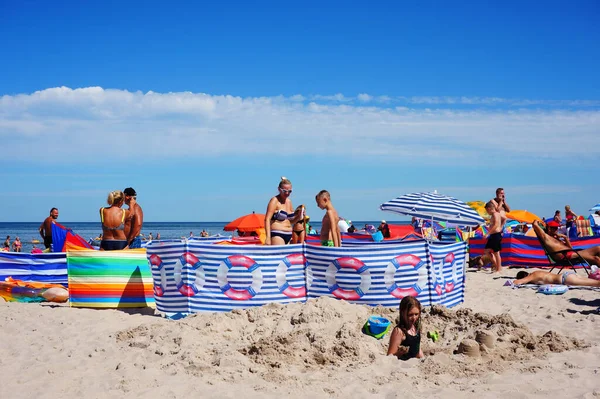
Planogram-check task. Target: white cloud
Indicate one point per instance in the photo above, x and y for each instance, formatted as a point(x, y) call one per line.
point(497, 101)
point(89, 123)
point(364, 97)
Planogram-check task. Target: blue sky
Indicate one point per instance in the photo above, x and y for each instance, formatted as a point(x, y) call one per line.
point(202, 107)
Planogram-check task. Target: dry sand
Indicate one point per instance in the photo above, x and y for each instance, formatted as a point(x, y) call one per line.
point(516, 343)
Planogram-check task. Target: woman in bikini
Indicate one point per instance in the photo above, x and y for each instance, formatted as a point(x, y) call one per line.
point(570, 216)
point(280, 216)
point(113, 222)
point(299, 231)
point(17, 245)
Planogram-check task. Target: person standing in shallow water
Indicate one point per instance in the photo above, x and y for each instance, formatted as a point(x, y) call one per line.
point(17, 245)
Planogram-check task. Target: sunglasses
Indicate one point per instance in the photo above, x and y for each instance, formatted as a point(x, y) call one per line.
point(285, 191)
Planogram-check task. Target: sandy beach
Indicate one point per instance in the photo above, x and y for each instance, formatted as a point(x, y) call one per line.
point(530, 345)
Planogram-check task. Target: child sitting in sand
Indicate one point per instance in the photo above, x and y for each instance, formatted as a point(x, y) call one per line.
point(567, 278)
point(405, 340)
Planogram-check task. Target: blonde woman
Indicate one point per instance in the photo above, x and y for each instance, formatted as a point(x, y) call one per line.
point(113, 218)
point(280, 215)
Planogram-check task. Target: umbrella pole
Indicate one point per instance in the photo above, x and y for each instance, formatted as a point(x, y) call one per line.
point(432, 229)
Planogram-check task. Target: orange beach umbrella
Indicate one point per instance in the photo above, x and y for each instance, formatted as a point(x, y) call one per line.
point(523, 216)
point(247, 223)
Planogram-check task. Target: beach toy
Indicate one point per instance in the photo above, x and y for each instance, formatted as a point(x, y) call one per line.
point(376, 326)
point(553, 289)
point(433, 335)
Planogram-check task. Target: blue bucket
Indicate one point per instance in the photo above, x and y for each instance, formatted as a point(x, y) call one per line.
point(377, 237)
point(378, 324)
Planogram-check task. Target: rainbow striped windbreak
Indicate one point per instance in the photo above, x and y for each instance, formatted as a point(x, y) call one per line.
point(109, 279)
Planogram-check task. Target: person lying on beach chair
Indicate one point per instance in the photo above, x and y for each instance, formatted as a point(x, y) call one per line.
point(567, 278)
point(562, 254)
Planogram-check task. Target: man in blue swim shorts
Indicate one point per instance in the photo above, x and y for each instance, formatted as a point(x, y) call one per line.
point(133, 225)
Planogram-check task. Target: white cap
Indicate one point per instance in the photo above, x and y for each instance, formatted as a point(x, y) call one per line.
point(383, 221)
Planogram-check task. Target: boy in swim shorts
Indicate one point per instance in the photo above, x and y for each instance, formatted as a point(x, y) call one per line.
point(494, 242)
point(330, 233)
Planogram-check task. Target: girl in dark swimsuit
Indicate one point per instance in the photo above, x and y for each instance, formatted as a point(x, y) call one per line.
point(113, 219)
point(405, 340)
point(299, 232)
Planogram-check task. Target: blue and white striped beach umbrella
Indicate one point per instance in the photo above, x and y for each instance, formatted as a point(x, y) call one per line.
point(595, 208)
point(434, 206)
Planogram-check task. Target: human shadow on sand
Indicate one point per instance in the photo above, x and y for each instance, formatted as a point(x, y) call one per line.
point(585, 302)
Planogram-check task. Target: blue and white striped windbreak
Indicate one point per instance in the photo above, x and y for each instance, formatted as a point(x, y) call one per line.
point(434, 206)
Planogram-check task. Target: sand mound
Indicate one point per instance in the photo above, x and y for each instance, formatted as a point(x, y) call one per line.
point(480, 342)
point(326, 333)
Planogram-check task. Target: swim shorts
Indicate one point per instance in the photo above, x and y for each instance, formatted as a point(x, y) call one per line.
point(47, 241)
point(327, 243)
point(565, 255)
point(136, 243)
point(494, 242)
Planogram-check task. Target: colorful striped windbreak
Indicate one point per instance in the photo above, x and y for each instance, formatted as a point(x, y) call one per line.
point(109, 279)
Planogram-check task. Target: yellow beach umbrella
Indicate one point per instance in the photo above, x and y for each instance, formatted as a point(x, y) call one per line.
point(479, 207)
point(523, 216)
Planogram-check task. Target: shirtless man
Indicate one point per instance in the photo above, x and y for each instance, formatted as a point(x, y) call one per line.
point(567, 278)
point(46, 227)
point(500, 201)
point(494, 242)
point(592, 255)
point(133, 224)
point(552, 228)
point(330, 233)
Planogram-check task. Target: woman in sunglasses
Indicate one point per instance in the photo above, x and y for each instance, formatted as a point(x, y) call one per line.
point(280, 216)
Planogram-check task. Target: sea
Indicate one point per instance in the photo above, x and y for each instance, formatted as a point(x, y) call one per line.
point(28, 231)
